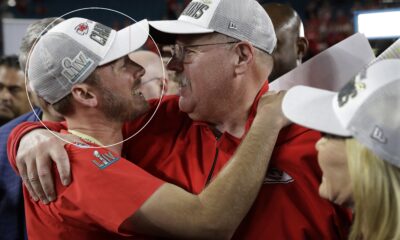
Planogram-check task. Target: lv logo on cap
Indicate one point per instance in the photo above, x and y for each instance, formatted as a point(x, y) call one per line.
point(75, 68)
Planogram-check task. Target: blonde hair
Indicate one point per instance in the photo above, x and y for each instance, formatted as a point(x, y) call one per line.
point(376, 193)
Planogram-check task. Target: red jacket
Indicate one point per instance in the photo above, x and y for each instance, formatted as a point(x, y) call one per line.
point(187, 153)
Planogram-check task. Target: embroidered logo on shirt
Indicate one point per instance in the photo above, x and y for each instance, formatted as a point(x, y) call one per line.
point(104, 159)
point(275, 175)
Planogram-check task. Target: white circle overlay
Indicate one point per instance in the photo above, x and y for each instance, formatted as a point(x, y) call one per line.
point(135, 133)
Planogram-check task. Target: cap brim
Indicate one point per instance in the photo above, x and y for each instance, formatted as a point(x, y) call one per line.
point(165, 31)
point(178, 27)
point(313, 108)
point(127, 40)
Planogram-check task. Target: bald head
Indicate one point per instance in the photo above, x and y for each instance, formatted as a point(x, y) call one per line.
point(153, 78)
point(291, 45)
point(284, 17)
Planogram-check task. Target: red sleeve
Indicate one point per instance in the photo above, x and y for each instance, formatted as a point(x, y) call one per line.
point(105, 191)
point(19, 131)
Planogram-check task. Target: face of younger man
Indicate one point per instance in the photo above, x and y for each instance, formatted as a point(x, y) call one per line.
point(119, 90)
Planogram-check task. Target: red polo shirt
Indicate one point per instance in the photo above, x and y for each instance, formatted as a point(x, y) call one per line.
point(188, 153)
point(106, 189)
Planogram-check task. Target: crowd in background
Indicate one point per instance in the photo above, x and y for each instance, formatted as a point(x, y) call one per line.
point(341, 145)
point(326, 22)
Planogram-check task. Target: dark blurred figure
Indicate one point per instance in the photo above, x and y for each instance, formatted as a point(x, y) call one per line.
point(292, 44)
point(13, 97)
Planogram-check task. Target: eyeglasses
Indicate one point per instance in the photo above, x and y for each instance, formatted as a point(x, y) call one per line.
point(183, 53)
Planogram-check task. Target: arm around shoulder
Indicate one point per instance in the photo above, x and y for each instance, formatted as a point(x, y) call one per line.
point(30, 151)
point(218, 210)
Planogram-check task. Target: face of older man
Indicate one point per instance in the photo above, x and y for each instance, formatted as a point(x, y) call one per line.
point(13, 98)
point(204, 69)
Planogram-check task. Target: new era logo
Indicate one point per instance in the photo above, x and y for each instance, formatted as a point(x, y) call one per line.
point(378, 135)
point(232, 26)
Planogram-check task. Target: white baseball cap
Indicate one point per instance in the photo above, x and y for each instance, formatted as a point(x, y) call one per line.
point(69, 52)
point(245, 20)
point(367, 108)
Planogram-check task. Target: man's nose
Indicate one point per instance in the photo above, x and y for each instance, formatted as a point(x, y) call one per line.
point(5, 94)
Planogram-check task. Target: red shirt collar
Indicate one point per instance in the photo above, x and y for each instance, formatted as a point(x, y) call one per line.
point(252, 114)
point(286, 133)
point(253, 109)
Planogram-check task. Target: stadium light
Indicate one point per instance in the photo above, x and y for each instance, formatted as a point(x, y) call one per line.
point(378, 24)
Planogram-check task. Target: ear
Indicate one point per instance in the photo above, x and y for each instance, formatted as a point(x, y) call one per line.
point(302, 48)
point(83, 94)
point(245, 53)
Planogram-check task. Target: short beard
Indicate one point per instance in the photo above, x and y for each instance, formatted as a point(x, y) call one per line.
point(118, 109)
